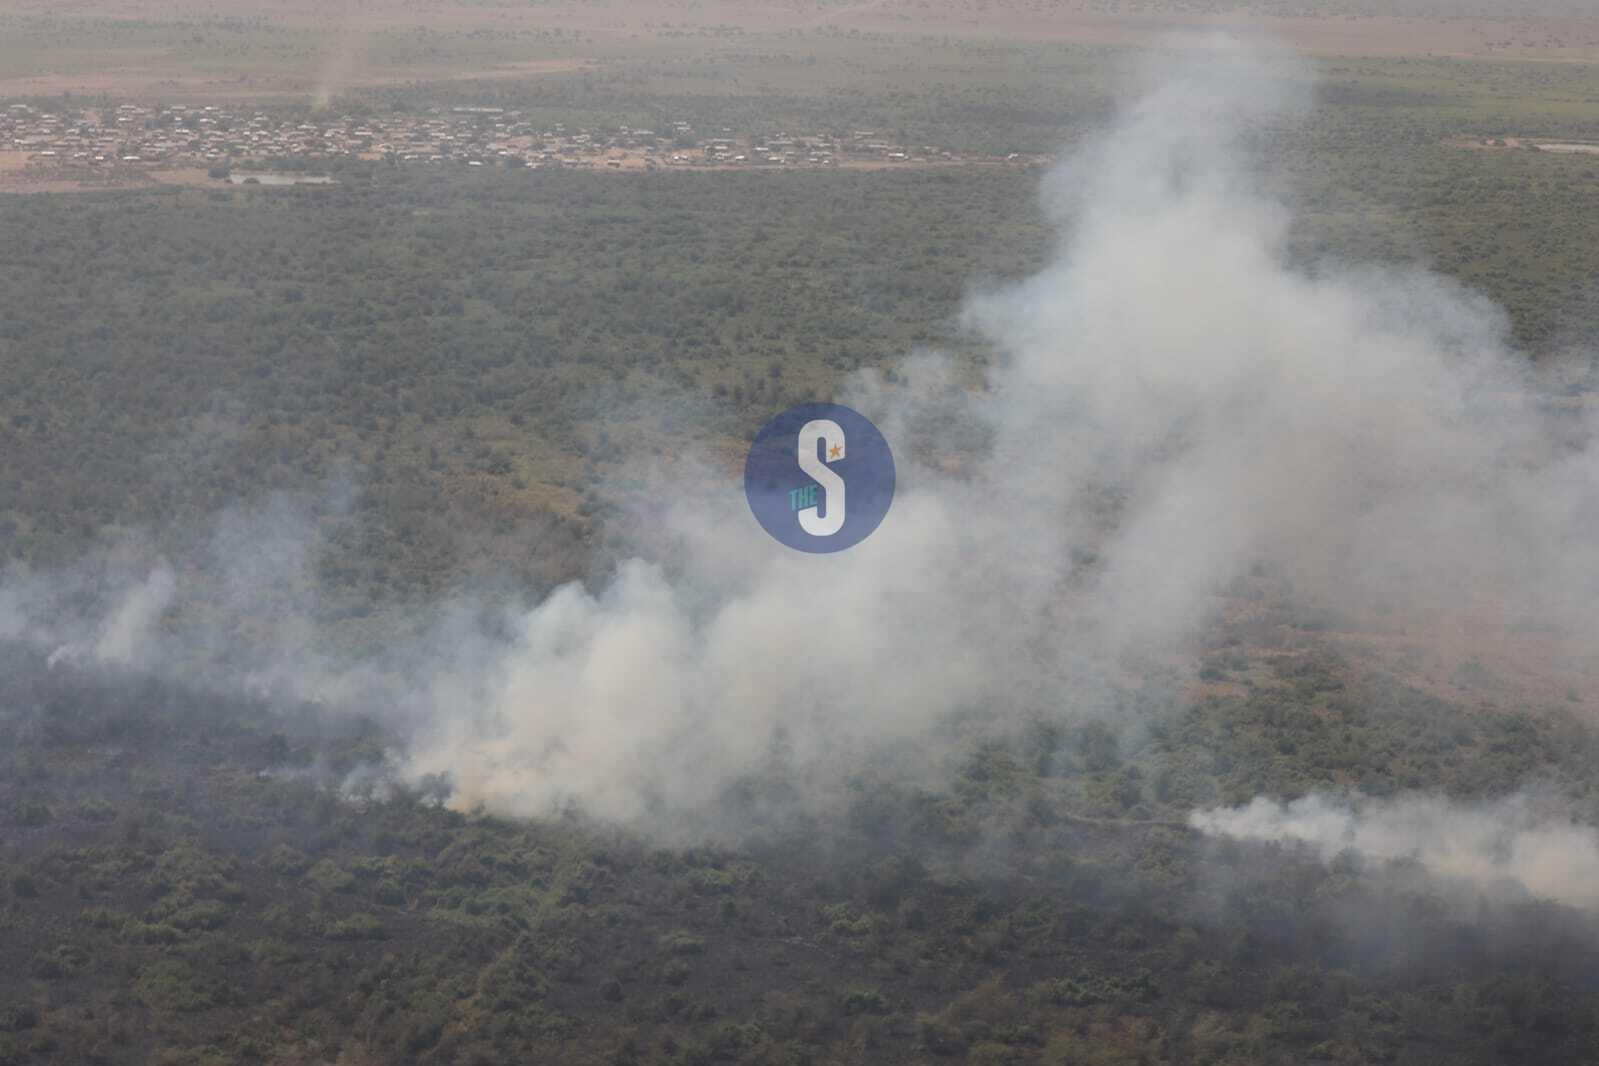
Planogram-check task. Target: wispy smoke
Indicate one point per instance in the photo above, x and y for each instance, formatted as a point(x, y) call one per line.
point(109, 613)
point(1174, 403)
point(1507, 845)
point(346, 50)
point(126, 636)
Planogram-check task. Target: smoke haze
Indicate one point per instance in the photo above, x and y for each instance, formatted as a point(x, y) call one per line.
point(1174, 404)
point(1506, 845)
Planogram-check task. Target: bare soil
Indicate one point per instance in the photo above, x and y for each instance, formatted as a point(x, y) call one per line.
point(1542, 144)
point(168, 85)
point(1557, 39)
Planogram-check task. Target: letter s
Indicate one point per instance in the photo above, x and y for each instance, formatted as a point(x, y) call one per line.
point(830, 434)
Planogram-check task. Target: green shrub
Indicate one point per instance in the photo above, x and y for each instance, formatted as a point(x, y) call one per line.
point(682, 943)
point(861, 1000)
point(290, 862)
point(139, 932)
point(171, 984)
point(357, 927)
point(326, 876)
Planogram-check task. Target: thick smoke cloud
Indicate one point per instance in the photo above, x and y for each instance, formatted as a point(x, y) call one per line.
point(1174, 403)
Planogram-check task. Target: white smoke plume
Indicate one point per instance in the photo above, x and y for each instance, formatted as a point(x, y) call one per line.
point(1174, 403)
point(1509, 845)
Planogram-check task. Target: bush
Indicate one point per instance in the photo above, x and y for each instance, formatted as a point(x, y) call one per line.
point(682, 943)
point(357, 927)
point(859, 1000)
point(326, 876)
point(173, 985)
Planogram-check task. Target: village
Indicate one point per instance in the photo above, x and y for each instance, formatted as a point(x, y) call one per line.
point(218, 138)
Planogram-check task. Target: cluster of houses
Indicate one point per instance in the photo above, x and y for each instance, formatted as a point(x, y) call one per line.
point(478, 136)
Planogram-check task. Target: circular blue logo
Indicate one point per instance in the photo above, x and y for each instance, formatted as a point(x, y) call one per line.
point(819, 477)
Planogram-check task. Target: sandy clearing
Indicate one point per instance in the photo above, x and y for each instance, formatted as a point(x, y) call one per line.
point(192, 176)
point(19, 174)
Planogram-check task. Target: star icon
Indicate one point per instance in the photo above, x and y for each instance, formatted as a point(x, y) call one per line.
point(835, 452)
